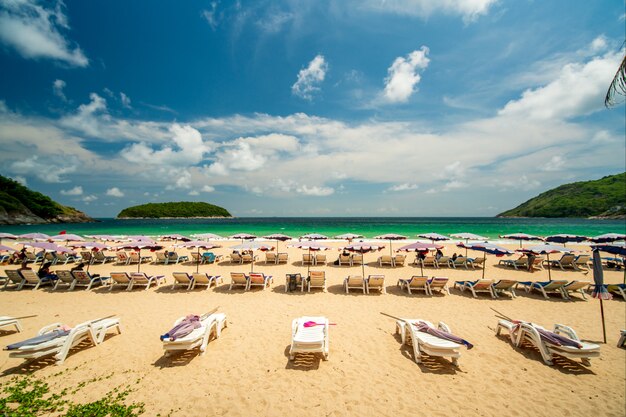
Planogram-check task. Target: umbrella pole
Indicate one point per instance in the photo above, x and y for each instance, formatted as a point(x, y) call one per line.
point(466, 242)
point(308, 264)
point(390, 250)
point(603, 325)
point(139, 255)
point(198, 261)
point(422, 267)
point(549, 271)
point(484, 265)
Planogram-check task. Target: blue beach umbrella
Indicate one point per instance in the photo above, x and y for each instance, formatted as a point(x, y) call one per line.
point(607, 238)
point(486, 248)
point(565, 238)
point(614, 249)
point(467, 237)
point(521, 237)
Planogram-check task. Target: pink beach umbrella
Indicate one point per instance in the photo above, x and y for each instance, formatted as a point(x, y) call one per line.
point(420, 247)
point(434, 237)
point(521, 237)
point(310, 245)
point(252, 246)
point(349, 236)
point(106, 238)
point(34, 236)
point(7, 236)
point(390, 237)
point(67, 237)
point(278, 237)
point(175, 236)
point(138, 245)
point(4, 248)
point(314, 236)
point(243, 236)
point(197, 244)
point(207, 236)
point(363, 248)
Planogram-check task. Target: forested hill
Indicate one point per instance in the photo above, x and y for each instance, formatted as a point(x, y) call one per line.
point(21, 205)
point(603, 198)
point(183, 209)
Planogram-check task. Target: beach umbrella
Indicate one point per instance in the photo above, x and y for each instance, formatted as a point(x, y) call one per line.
point(467, 237)
point(46, 246)
point(278, 237)
point(138, 245)
point(197, 244)
point(605, 238)
point(600, 291)
point(564, 238)
point(34, 236)
point(91, 246)
point(614, 249)
point(362, 248)
point(4, 248)
point(175, 236)
point(252, 246)
point(242, 236)
point(486, 248)
point(433, 237)
point(349, 236)
point(67, 237)
point(310, 245)
point(109, 238)
point(420, 247)
point(140, 238)
point(7, 236)
point(207, 236)
point(545, 249)
point(390, 237)
point(314, 236)
point(520, 237)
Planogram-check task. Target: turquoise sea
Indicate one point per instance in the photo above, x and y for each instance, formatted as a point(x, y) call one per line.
point(331, 226)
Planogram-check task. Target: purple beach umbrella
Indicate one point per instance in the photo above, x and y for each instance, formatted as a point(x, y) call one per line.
point(314, 236)
point(467, 237)
point(197, 244)
point(565, 238)
point(420, 247)
point(67, 237)
point(486, 248)
point(278, 237)
point(34, 236)
point(390, 237)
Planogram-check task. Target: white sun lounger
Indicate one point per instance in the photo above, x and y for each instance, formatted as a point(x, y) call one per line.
point(198, 338)
point(314, 339)
point(93, 331)
point(7, 321)
point(426, 343)
point(527, 332)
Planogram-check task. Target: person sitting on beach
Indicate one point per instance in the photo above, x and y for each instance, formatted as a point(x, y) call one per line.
point(19, 257)
point(454, 256)
point(421, 255)
point(438, 254)
point(44, 272)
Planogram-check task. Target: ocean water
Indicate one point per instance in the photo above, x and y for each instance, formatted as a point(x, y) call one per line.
point(332, 226)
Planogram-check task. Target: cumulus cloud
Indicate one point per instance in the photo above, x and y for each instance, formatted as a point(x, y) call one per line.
point(403, 76)
point(89, 198)
point(125, 100)
point(115, 192)
point(578, 90)
point(469, 10)
point(556, 163)
point(310, 78)
point(207, 189)
point(403, 187)
point(34, 31)
point(88, 117)
point(78, 190)
point(49, 170)
point(57, 89)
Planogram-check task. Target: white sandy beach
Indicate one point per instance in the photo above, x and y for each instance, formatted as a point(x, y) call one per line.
point(246, 372)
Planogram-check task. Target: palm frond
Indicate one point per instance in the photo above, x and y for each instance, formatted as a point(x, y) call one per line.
point(617, 87)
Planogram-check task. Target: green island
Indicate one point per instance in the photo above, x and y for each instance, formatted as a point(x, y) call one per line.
point(603, 199)
point(21, 205)
point(182, 209)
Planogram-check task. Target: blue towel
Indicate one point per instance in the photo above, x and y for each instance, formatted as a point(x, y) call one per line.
point(38, 339)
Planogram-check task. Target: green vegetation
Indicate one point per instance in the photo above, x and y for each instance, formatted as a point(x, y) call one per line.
point(605, 197)
point(180, 209)
point(14, 197)
point(28, 396)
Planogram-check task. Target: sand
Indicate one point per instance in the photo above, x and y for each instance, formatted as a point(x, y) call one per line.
point(246, 372)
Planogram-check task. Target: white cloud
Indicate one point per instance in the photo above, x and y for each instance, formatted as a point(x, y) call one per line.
point(556, 163)
point(88, 117)
point(57, 89)
point(310, 78)
point(50, 169)
point(213, 17)
point(89, 198)
point(115, 192)
point(78, 190)
point(125, 100)
point(578, 90)
point(275, 21)
point(403, 76)
point(470, 10)
point(315, 190)
point(193, 192)
point(34, 31)
point(207, 189)
point(599, 44)
point(403, 187)
point(20, 180)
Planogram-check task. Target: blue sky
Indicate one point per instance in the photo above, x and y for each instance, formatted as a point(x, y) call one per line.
point(309, 108)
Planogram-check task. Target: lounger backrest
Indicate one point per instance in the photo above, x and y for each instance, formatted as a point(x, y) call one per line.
point(376, 280)
point(246, 257)
point(239, 277)
point(355, 280)
point(99, 256)
point(65, 276)
point(13, 275)
point(121, 256)
point(583, 259)
point(555, 284)
point(81, 276)
point(139, 277)
point(576, 285)
point(283, 257)
point(320, 258)
point(270, 256)
point(120, 277)
point(86, 256)
point(444, 259)
point(257, 278)
point(438, 281)
point(173, 256)
point(235, 257)
point(317, 278)
point(344, 258)
point(307, 257)
point(428, 260)
point(29, 275)
point(30, 256)
point(161, 256)
point(568, 258)
point(418, 281)
point(460, 260)
point(504, 284)
point(357, 257)
point(201, 277)
point(482, 284)
point(181, 277)
point(386, 258)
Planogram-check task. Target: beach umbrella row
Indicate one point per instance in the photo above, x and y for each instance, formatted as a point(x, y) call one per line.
point(486, 248)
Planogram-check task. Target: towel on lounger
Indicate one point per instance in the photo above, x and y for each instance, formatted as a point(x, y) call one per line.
point(182, 329)
point(424, 327)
